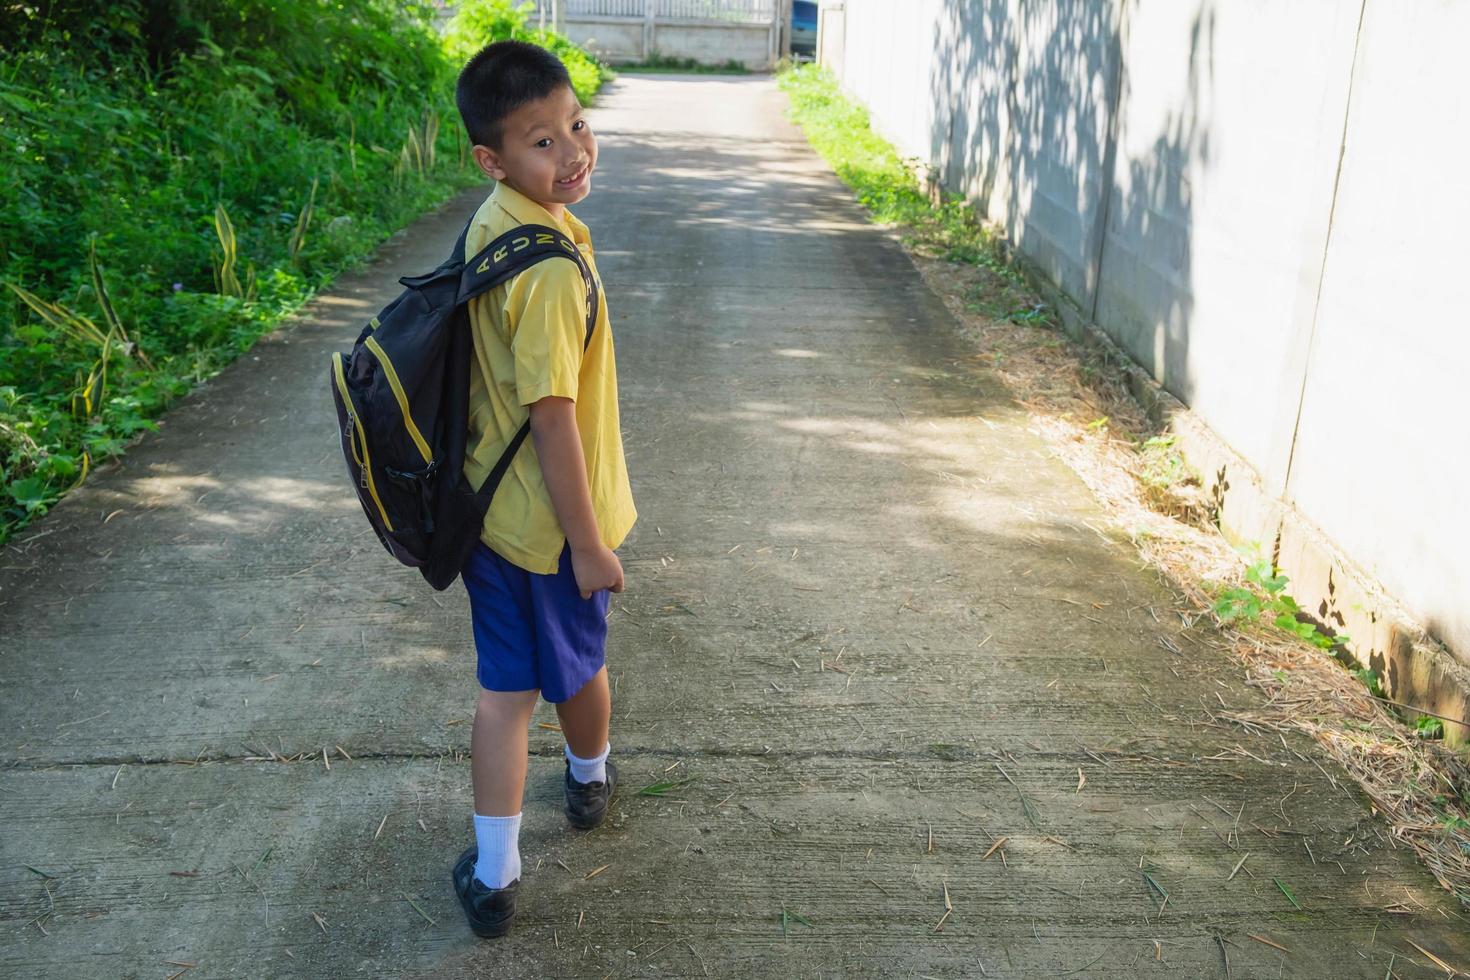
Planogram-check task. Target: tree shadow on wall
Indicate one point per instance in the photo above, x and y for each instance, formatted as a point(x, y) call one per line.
point(1030, 110)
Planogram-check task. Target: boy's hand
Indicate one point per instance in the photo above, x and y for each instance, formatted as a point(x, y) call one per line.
point(596, 569)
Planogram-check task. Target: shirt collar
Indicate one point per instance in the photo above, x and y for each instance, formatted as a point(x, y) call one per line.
point(527, 212)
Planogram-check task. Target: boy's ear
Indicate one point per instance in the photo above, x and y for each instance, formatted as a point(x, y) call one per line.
point(488, 161)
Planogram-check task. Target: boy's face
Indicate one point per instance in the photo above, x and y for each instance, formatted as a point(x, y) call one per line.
point(547, 151)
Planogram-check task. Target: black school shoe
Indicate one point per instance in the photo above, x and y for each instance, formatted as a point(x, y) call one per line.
point(587, 802)
point(490, 910)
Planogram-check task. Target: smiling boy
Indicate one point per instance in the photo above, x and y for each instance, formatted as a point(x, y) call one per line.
point(539, 579)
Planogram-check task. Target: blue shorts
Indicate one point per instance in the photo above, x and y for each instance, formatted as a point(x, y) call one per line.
point(533, 631)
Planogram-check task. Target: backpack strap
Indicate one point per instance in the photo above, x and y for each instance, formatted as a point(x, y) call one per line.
point(512, 253)
point(500, 261)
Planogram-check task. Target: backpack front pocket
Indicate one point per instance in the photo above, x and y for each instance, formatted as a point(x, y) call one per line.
point(390, 376)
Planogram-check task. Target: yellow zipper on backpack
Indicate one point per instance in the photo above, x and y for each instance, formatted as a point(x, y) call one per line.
point(367, 462)
point(413, 430)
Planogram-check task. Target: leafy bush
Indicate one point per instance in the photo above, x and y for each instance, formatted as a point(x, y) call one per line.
point(478, 22)
point(180, 176)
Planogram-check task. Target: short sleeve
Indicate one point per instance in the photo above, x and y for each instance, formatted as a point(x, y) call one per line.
point(546, 310)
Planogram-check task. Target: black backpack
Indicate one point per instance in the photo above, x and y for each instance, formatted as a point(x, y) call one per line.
point(402, 397)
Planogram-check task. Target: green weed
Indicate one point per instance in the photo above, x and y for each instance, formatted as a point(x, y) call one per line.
point(1162, 466)
point(1265, 595)
point(789, 917)
point(1285, 890)
point(1427, 727)
point(303, 222)
point(226, 282)
point(1369, 679)
point(664, 787)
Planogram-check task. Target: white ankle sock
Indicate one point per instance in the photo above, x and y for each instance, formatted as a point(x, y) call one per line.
point(589, 770)
point(499, 840)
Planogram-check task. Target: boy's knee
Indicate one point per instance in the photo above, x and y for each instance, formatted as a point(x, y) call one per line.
point(506, 702)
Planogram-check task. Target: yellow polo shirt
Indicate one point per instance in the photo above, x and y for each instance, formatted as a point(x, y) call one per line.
point(528, 336)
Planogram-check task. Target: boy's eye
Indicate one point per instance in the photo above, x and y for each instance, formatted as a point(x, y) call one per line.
point(544, 142)
point(580, 124)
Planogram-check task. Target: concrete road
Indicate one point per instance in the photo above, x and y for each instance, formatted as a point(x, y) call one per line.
point(916, 712)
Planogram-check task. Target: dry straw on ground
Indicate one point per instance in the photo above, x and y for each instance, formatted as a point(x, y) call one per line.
point(1083, 409)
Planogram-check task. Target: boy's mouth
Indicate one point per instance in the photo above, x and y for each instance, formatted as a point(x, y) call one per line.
point(574, 179)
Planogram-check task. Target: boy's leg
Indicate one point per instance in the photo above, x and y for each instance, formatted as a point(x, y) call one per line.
point(590, 778)
point(498, 746)
point(585, 717)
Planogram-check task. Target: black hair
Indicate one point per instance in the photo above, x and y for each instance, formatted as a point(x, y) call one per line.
point(501, 78)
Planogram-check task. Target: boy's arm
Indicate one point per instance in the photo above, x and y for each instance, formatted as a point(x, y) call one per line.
point(564, 467)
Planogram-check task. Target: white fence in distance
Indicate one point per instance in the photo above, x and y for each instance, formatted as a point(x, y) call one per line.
point(722, 11)
point(710, 32)
point(739, 11)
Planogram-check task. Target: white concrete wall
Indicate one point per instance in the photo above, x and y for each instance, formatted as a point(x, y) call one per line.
point(1172, 166)
point(715, 44)
point(893, 49)
point(1063, 73)
point(1221, 194)
point(611, 40)
point(1382, 460)
point(831, 36)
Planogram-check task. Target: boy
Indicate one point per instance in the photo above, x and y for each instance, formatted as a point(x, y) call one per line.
point(538, 580)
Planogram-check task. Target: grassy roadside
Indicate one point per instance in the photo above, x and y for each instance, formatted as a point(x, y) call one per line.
point(839, 130)
point(184, 177)
point(1081, 404)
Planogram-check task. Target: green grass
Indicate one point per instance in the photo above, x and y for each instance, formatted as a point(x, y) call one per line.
point(839, 129)
point(664, 787)
point(683, 66)
point(180, 177)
